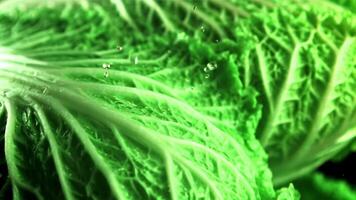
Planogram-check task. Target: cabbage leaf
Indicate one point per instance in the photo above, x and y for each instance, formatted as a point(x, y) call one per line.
point(136, 122)
point(303, 63)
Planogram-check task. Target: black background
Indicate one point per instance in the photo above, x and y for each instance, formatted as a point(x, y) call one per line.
point(342, 170)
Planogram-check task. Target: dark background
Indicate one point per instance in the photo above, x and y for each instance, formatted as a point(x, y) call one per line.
point(341, 170)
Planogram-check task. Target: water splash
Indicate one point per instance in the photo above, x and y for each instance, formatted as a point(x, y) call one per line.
point(134, 60)
point(202, 28)
point(106, 66)
point(119, 48)
point(106, 74)
point(211, 66)
point(4, 93)
point(44, 91)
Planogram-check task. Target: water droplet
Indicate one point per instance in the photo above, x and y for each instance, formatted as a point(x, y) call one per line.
point(106, 65)
point(44, 91)
point(205, 69)
point(119, 48)
point(135, 60)
point(217, 41)
point(207, 76)
point(211, 66)
point(106, 74)
point(202, 28)
point(4, 93)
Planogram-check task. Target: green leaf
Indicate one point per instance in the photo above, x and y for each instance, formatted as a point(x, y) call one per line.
point(139, 123)
point(350, 5)
point(302, 62)
point(288, 193)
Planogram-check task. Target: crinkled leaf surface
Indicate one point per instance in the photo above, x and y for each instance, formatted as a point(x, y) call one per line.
point(122, 124)
point(303, 62)
point(212, 18)
point(288, 193)
point(299, 55)
point(351, 5)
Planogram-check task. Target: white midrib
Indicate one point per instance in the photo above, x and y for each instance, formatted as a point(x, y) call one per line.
point(277, 106)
